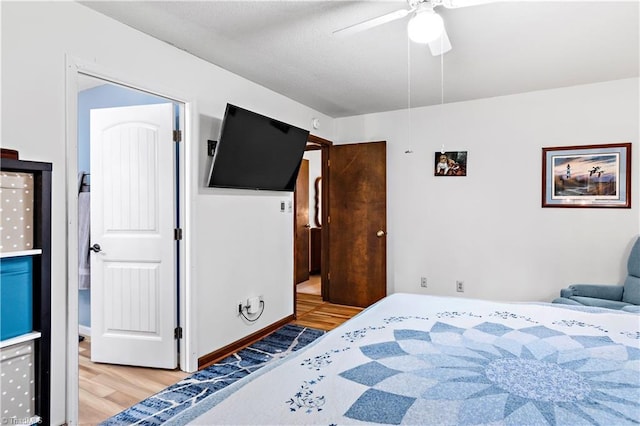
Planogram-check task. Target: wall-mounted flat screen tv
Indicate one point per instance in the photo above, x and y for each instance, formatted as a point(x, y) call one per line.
point(256, 152)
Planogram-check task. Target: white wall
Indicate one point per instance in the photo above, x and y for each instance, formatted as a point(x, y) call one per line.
point(488, 228)
point(241, 243)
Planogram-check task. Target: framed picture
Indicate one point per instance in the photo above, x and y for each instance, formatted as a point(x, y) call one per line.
point(587, 176)
point(452, 163)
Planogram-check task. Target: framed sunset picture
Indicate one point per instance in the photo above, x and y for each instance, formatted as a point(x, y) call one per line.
point(587, 176)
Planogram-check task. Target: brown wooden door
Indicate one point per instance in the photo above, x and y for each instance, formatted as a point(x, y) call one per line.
point(357, 224)
point(301, 225)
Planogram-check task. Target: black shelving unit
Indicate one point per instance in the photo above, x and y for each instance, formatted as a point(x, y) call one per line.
point(41, 278)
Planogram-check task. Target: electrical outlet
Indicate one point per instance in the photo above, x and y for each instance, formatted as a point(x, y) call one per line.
point(423, 281)
point(459, 286)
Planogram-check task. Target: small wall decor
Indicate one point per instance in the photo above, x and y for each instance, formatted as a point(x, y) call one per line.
point(453, 163)
point(587, 176)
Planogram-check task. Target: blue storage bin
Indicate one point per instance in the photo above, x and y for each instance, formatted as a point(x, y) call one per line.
point(16, 289)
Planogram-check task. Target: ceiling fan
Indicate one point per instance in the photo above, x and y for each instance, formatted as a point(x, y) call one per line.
point(425, 26)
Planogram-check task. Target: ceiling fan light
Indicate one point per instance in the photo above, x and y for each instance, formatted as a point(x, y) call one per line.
point(425, 26)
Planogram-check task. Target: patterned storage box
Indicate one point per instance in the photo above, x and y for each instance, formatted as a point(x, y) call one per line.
point(16, 211)
point(17, 383)
point(16, 296)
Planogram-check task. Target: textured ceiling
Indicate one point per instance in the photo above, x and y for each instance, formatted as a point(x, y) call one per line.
point(498, 49)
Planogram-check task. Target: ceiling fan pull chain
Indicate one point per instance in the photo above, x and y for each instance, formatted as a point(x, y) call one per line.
point(441, 74)
point(409, 150)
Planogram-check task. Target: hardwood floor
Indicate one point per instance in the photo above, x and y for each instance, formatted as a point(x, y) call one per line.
point(311, 286)
point(106, 389)
point(314, 313)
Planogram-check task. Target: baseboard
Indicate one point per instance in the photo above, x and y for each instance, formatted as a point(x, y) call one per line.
point(215, 356)
point(83, 330)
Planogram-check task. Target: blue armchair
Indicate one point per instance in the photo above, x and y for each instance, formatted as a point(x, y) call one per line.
point(625, 297)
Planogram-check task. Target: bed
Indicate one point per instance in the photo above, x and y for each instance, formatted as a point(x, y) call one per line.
point(423, 360)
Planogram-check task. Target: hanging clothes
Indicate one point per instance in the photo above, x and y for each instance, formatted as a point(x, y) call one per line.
point(84, 228)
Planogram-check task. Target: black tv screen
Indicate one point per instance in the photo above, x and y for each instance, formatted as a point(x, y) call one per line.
point(257, 152)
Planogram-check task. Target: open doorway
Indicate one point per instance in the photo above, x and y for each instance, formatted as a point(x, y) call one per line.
point(353, 234)
point(125, 180)
point(308, 245)
point(309, 197)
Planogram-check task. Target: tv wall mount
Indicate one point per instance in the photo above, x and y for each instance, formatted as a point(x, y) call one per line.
point(211, 147)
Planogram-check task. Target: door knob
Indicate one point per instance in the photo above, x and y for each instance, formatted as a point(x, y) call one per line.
point(307, 226)
point(96, 248)
point(380, 233)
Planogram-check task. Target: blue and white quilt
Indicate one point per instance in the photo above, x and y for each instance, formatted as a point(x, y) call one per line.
point(425, 360)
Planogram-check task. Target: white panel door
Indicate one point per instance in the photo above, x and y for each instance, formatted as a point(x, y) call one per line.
point(133, 291)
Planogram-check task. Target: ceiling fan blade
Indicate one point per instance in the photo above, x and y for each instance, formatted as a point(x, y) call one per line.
point(455, 4)
point(440, 45)
point(374, 22)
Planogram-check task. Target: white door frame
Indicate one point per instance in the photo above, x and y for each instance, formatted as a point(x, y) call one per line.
point(188, 351)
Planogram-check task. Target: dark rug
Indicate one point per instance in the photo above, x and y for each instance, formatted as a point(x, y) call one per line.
point(167, 403)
